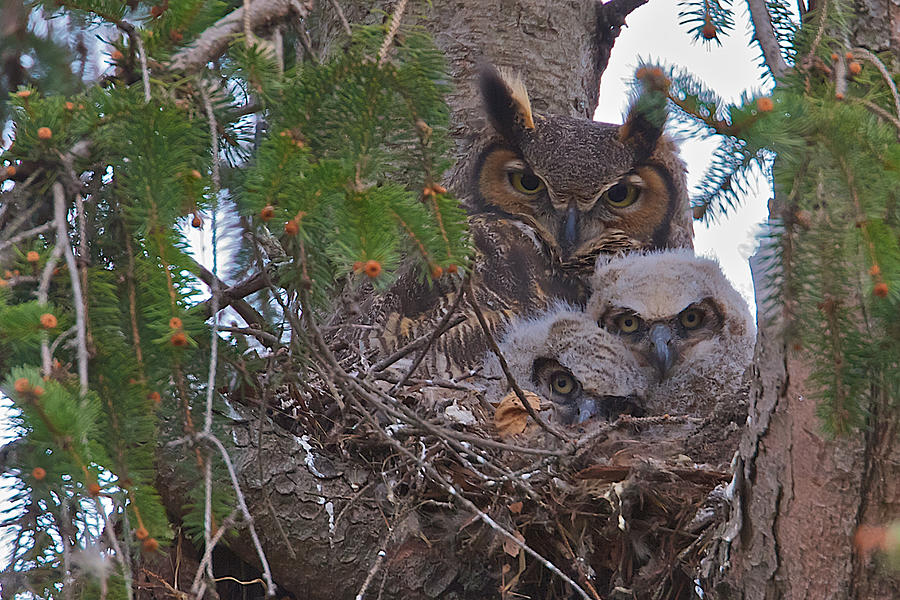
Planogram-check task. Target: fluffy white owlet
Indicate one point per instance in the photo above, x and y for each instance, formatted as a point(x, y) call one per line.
point(685, 324)
point(564, 357)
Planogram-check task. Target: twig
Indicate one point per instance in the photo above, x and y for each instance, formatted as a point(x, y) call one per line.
point(62, 240)
point(59, 340)
point(26, 234)
point(379, 558)
point(823, 17)
point(422, 340)
point(214, 334)
point(863, 53)
point(392, 31)
point(207, 553)
point(265, 337)
point(440, 329)
point(340, 14)
point(765, 36)
point(43, 293)
point(880, 112)
point(242, 504)
point(520, 394)
point(215, 39)
point(145, 72)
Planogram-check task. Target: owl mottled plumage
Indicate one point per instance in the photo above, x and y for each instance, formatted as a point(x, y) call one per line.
point(688, 328)
point(547, 194)
point(585, 371)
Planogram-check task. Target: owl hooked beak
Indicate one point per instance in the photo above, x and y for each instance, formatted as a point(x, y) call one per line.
point(662, 351)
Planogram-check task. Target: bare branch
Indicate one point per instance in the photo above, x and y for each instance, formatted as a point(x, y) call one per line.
point(419, 342)
point(340, 13)
point(214, 41)
point(764, 34)
point(520, 393)
point(392, 31)
point(610, 19)
point(26, 234)
point(62, 240)
point(242, 504)
point(863, 53)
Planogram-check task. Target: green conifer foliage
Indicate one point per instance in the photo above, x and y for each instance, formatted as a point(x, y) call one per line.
point(336, 163)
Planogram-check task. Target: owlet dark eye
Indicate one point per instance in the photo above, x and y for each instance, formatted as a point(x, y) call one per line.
point(526, 183)
point(562, 383)
point(621, 195)
point(628, 323)
point(691, 318)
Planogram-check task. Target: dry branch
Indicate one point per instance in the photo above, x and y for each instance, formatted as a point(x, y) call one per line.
point(214, 41)
point(764, 34)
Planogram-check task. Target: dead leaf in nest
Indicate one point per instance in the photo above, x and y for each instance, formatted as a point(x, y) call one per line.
point(512, 548)
point(516, 507)
point(511, 418)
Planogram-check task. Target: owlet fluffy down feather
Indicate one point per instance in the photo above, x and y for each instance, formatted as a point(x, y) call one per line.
point(584, 371)
point(689, 330)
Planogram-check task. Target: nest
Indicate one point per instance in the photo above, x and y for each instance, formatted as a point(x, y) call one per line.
point(620, 509)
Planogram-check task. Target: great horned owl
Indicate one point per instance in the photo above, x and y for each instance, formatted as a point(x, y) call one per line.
point(547, 193)
point(690, 331)
point(582, 186)
point(564, 357)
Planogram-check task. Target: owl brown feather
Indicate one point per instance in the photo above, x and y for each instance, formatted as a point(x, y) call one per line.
point(547, 195)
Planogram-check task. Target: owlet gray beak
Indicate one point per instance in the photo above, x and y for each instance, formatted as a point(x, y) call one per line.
point(662, 350)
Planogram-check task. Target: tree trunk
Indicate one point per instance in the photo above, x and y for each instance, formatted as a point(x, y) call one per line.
point(804, 494)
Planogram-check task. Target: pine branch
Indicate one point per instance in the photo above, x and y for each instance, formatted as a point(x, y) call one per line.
point(215, 40)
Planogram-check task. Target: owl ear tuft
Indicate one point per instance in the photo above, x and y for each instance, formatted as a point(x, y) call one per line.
point(506, 101)
point(647, 115)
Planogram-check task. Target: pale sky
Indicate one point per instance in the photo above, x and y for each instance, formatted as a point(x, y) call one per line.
point(653, 33)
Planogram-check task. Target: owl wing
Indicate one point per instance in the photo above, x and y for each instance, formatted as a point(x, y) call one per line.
point(513, 275)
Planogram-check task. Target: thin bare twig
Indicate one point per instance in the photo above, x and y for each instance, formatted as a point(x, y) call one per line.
point(340, 14)
point(440, 329)
point(145, 72)
point(520, 393)
point(43, 294)
point(392, 31)
point(423, 340)
point(26, 234)
point(207, 553)
point(863, 53)
point(242, 504)
point(765, 36)
point(62, 240)
point(881, 113)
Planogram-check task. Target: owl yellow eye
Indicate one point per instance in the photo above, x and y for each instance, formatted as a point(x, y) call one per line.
point(526, 183)
point(628, 323)
point(562, 383)
point(621, 195)
point(691, 318)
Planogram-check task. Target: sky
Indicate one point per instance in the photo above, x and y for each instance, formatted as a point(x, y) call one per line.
point(653, 33)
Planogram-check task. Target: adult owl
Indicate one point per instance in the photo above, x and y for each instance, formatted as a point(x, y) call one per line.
point(546, 195)
point(583, 370)
point(690, 331)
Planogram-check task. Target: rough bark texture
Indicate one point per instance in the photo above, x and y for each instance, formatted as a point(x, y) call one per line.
point(804, 494)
